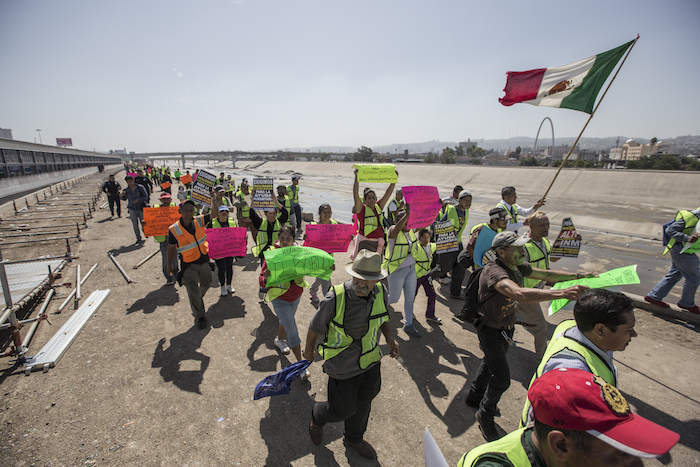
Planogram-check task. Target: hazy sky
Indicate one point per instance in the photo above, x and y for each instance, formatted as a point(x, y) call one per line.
point(274, 74)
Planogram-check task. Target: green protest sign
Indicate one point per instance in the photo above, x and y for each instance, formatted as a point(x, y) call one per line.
point(289, 263)
point(621, 276)
point(376, 173)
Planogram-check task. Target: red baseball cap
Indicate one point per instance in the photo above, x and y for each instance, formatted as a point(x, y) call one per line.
point(581, 401)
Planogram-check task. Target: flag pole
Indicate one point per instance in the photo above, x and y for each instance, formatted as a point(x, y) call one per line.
point(589, 118)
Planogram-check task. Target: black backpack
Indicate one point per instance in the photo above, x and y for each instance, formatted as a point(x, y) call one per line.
point(470, 310)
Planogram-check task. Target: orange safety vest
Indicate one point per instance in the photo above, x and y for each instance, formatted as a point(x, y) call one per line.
point(191, 248)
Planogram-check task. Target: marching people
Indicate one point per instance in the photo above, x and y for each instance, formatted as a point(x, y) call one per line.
point(161, 240)
point(285, 299)
point(144, 181)
point(268, 228)
point(683, 265)
point(423, 252)
point(401, 266)
point(286, 202)
point(351, 350)
point(224, 265)
point(500, 291)
point(447, 262)
point(296, 207)
point(113, 189)
point(187, 237)
point(136, 197)
point(395, 205)
point(508, 198)
point(498, 218)
point(370, 229)
point(325, 214)
point(243, 209)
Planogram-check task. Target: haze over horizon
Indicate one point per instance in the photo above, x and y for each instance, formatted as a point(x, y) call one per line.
point(252, 75)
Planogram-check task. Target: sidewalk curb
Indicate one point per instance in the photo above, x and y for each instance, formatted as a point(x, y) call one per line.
point(672, 312)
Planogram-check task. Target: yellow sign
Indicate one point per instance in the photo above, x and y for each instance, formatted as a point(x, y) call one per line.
point(376, 173)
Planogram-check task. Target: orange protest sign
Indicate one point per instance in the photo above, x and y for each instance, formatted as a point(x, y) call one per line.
point(157, 220)
point(165, 185)
point(185, 179)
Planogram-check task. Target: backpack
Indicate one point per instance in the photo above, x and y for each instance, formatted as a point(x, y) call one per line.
point(470, 310)
point(666, 237)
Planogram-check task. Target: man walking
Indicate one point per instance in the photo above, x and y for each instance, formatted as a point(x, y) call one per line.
point(112, 188)
point(136, 198)
point(508, 198)
point(296, 207)
point(683, 265)
point(351, 317)
point(166, 200)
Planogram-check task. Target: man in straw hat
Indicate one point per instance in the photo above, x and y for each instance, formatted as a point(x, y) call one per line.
point(350, 317)
point(580, 420)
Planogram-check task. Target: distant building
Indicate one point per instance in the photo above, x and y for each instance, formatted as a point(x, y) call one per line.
point(615, 154)
point(632, 150)
point(6, 133)
point(468, 144)
point(559, 152)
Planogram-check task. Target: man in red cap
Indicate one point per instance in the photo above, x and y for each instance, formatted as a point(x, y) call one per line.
point(580, 420)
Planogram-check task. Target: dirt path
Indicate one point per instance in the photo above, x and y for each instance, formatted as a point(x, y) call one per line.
point(142, 386)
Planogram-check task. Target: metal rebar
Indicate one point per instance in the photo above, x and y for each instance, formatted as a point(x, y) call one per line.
point(37, 240)
point(121, 269)
point(147, 258)
point(34, 234)
point(63, 305)
point(40, 316)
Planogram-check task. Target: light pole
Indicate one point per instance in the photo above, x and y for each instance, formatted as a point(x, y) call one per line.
point(39, 131)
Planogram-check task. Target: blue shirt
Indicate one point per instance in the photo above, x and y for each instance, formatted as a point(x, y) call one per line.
point(138, 194)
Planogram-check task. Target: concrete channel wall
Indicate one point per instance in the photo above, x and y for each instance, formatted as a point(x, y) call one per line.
point(14, 185)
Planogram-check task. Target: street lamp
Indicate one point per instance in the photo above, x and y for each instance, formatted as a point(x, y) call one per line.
point(39, 131)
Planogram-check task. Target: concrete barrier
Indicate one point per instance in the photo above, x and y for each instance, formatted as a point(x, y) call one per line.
point(11, 186)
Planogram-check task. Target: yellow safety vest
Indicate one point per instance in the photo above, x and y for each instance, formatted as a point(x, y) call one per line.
point(457, 222)
point(161, 238)
point(396, 257)
point(422, 259)
point(513, 211)
point(287, 206)
point(538, 259)
point(560, 342)
point(189, 247)
point(509, 448)
point(336, 338)
point(691, 221)
point(295, 192)
point(261, 240)
point(372, 220)
point(245, 210)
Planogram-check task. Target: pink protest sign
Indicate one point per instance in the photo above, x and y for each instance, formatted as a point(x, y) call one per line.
point(425, 204)
point(331, 238)
point(132, 175)
point(226, 241)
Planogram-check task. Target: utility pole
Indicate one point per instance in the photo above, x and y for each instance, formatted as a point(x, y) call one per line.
point(39, 131)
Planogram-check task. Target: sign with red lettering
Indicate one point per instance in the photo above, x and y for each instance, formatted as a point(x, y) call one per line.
point(568, 243)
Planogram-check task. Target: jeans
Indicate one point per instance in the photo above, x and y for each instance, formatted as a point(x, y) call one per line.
point(115, 201)
point(285, 312)
point(493, 377)
point(350, 400)
point(297, 214)
point(682, 265)
point(224, 267)
point(404, 278)
point(164, 256)
point(197, 280)
point(136, 220)
point(430, 292)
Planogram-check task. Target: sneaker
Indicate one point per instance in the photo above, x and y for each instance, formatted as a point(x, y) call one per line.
point(202, 323)
point(693, 309)
point(223, 291)
point(411, 330)
point(314, 297)
point(434, 320)
point(281, 344)
point(306, 375)
point(487, 427)
point(659, 303)
point(230, 289)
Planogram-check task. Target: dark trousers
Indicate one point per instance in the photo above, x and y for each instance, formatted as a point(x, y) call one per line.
point(114, 200)
point(297, 213)
point(350, 400)
point(493, 377)
point(430, 292)
point(447, 262)
point(225, 270)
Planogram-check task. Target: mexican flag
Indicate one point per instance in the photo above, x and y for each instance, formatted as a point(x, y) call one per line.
point(574, 86)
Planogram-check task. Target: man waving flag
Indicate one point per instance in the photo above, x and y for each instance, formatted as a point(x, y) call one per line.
point(574, 86)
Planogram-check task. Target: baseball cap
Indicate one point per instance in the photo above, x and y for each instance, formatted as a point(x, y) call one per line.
point(464, 193)
point(506, 239)
point(223, 207)
point(219, 188)
point(165, 195)
point(578, 400)
point(245, 180)
point(499, 213)
point(187, 201)
point(296, 177)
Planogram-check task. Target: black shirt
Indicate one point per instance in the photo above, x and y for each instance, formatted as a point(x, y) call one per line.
point(111, 188)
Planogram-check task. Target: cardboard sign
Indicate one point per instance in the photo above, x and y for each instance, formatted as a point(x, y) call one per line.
point(376, 173)
point(225, 242)
point(185, 179)
point(181, 193)
point(331, 238)
point(425, 204)
point(165, 185)
point(483, 245)
point(262, 199)
point(158, 220)
point(621, 276)
point(445, 238)
point(287, 264)
point(568, 243)
point(201, 189)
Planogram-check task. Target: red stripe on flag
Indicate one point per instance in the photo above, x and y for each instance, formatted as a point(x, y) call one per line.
point(522, 86)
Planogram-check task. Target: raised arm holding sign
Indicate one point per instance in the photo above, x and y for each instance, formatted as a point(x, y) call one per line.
point(376, 173)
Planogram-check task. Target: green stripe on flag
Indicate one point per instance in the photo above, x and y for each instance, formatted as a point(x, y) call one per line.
point(583, 97)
